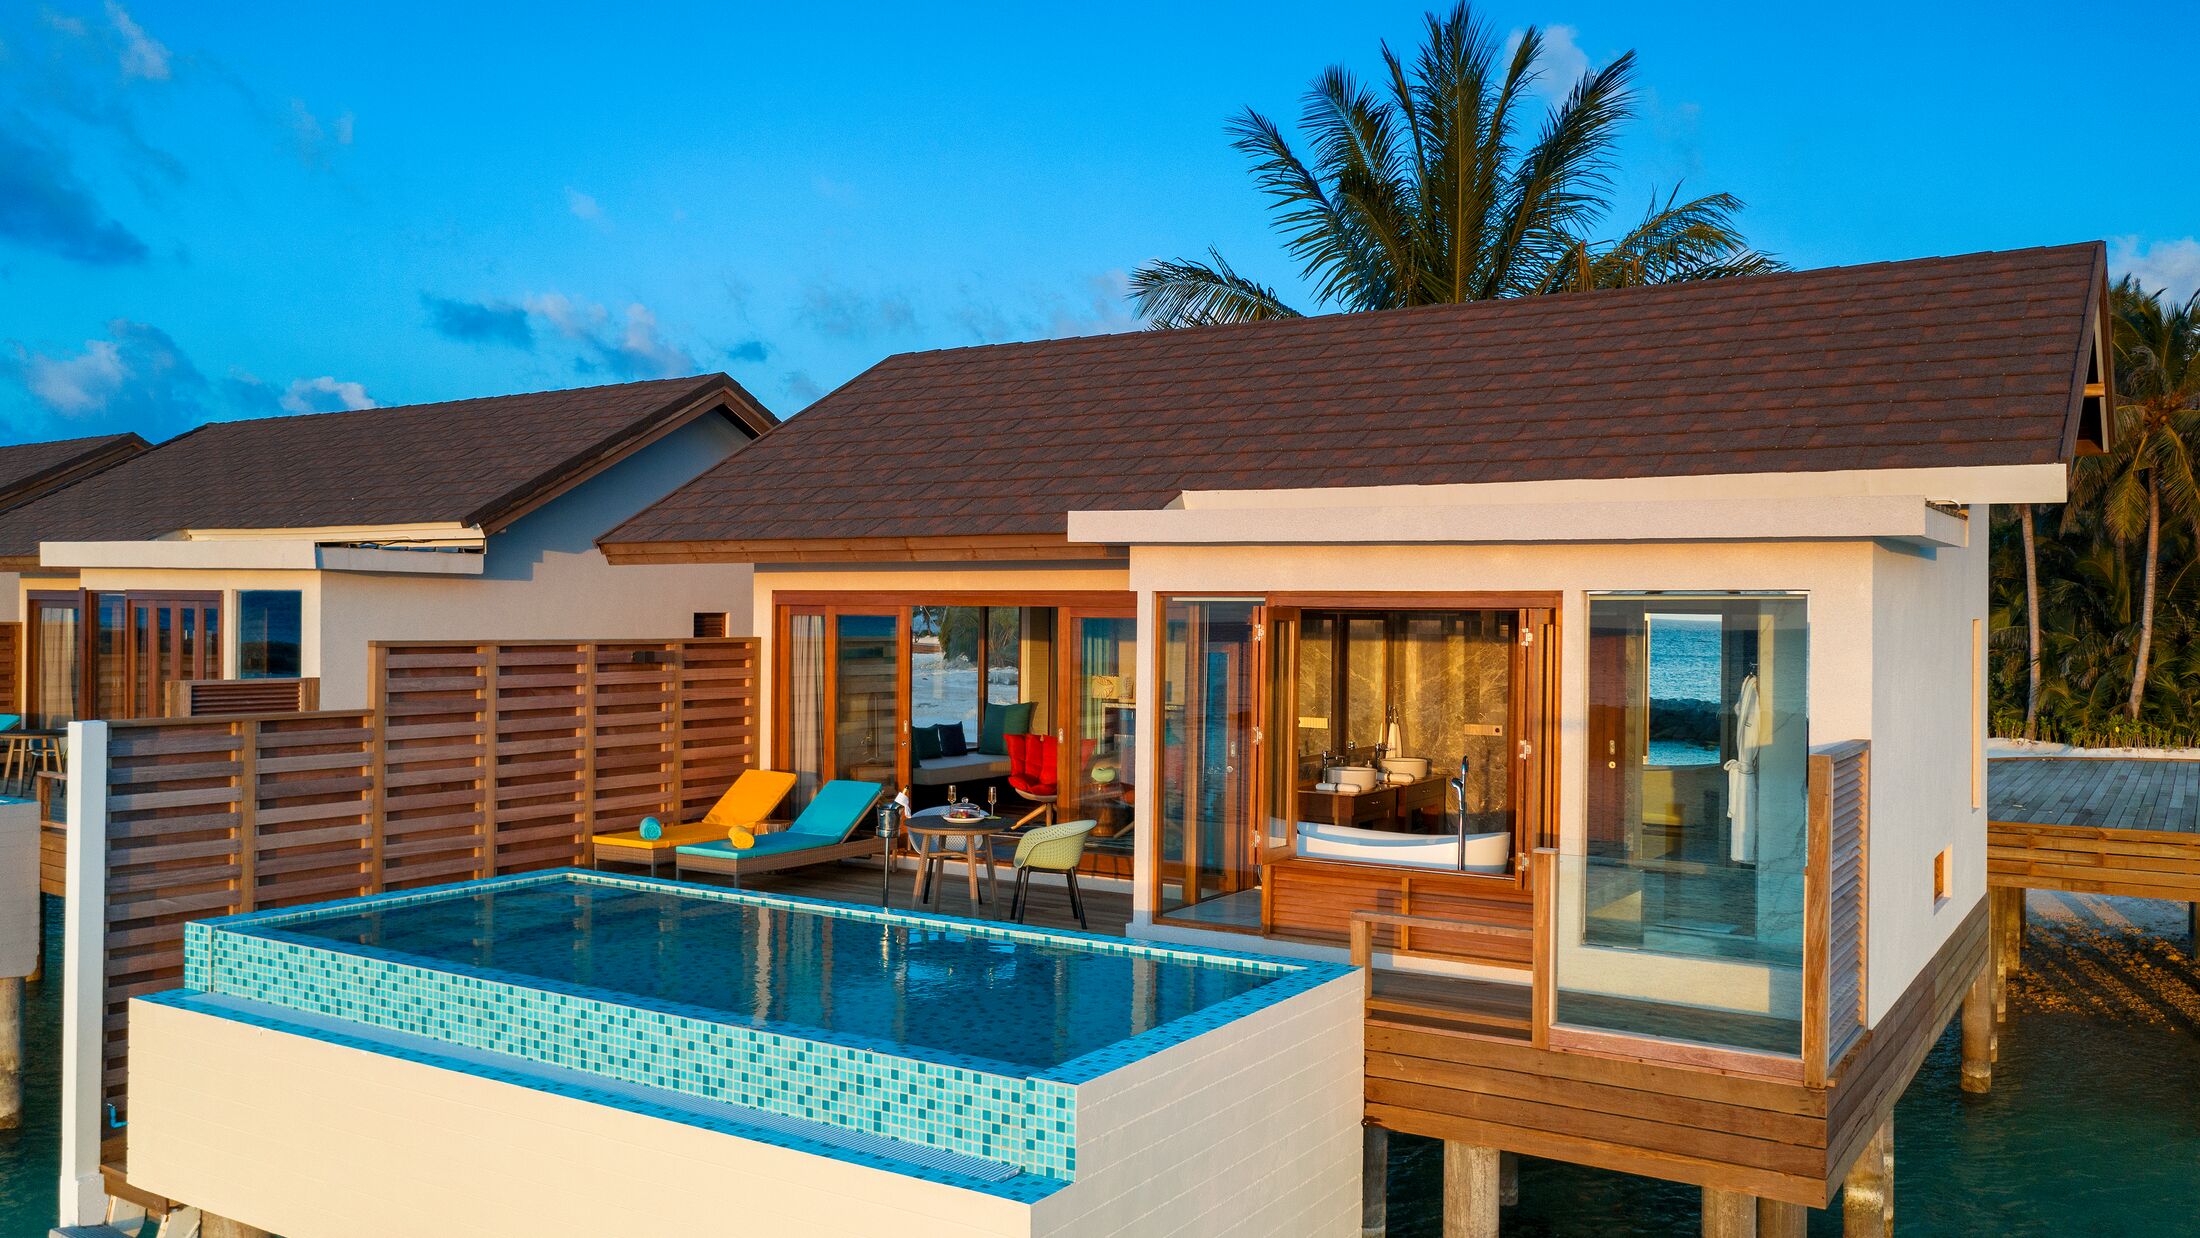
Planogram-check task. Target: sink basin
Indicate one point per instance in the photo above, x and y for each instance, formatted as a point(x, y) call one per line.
point(1411, 767)
point(1358, 777)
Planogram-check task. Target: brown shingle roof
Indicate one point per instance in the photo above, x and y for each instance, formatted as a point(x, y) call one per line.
point(28, 470)
point(462, 461)
point(1936, 362)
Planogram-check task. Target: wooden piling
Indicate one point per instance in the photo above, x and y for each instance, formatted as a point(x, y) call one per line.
point(1470, 1190)
point(1776, 1219)
point(11, 1053)
point(1374, 1182)
point(211, 1226)
point(1978, 1032)
point(1867, 1197)
point(1727, 1214)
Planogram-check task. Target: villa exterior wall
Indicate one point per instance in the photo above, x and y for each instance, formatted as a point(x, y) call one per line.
point(1928, 699)
point(1837, 576)
point(544, 577)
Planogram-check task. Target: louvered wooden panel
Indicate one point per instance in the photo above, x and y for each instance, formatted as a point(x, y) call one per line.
point(198, 698)
point(11, 668)
point(1837, 880)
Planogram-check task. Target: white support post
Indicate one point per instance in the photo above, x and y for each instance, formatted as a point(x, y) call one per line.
point(83, 978)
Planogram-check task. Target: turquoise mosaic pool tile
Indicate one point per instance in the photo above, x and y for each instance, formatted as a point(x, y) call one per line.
point(965, 1105)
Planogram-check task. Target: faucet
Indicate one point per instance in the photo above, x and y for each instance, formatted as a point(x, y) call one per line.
point(1459, 789)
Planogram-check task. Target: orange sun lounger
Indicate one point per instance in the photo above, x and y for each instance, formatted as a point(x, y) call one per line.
point(746, 803)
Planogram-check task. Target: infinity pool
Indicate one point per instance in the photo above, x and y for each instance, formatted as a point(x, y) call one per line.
point(965, 1039)
point(1021, 1001)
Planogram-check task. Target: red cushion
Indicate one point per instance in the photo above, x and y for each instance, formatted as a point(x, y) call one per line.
point(1032, 763)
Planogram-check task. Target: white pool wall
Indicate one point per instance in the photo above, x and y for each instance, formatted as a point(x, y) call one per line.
point(1252, 1128)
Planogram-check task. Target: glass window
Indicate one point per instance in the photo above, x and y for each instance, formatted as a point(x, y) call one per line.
point(943, 666)
point(1680, 914)
point(1004, 641)
point(54, 666)
point(268, 627)
point(805, 705)
point(866, 715)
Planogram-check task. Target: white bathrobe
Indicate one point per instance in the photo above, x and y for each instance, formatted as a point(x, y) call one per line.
point(1741, 774)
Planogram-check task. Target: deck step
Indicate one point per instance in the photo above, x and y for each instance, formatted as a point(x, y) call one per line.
point(1450, 1003)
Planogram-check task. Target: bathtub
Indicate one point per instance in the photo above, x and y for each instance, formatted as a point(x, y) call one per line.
point(1486, 853)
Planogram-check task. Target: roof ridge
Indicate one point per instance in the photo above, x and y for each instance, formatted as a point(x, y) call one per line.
point(1492, 305)
point(694, 379)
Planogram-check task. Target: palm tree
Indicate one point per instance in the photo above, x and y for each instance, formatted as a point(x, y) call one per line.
point(1429, 188)
point(2150, 466)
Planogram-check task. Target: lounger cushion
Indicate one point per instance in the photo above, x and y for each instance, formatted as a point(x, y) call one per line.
point(836, 812)
point(766, 844)
point(1003, 720)
point(971, 767)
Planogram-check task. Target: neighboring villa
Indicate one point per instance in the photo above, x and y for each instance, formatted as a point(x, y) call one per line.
point(1615, 659)
point(31, 470)
point(278, 548)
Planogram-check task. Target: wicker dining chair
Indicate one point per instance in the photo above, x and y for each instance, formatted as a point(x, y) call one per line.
point(1050, 849)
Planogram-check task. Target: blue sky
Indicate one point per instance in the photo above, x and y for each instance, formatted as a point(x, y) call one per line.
point(241, 210)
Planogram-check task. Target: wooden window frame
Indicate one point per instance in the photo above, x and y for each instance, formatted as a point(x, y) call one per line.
point(832, 603)
point(1534, 714)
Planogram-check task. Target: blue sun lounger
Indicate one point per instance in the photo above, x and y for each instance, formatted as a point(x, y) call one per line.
point(835, 826)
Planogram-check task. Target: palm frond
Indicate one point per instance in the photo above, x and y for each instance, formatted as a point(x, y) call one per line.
point(1186, 292)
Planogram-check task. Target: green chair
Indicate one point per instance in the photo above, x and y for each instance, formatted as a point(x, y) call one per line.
point(1050, 849)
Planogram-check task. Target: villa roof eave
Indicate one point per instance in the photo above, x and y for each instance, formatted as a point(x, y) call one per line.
point(1007, 547)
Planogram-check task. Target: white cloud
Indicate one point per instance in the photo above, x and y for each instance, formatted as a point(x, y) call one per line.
point(1560, 66)
point(582, 205)
point(314, 136)
point(2173, 265)
point(136, 378)
point(326, 394)
point(142, 55)
point(634, 348)
point(74, 386)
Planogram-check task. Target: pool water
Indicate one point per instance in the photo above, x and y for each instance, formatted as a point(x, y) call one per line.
point(1021, 1000)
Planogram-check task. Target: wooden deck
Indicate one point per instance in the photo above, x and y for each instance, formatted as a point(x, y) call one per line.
point(2087, 825)
point(2154, 795)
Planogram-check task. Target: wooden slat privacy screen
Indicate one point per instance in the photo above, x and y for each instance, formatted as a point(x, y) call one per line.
point(198, 698)
point(481, 759)
point(1836, 877)
point(11, 668)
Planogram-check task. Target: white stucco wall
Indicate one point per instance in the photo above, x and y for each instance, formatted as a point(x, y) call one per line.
point(1926, 690)
point(544, 579)
point(1251, 1130)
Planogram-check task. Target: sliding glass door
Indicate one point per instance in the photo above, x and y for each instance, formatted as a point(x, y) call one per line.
point(1099, 714)
point(1210, 751)
point(870, 714)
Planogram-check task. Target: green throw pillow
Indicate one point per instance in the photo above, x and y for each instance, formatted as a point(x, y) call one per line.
point(924, 743)
point(1003, 720)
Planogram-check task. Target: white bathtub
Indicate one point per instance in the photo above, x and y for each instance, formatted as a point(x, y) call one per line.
point(1486, 853)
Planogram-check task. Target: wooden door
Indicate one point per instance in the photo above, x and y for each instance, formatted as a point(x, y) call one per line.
point(171, 637)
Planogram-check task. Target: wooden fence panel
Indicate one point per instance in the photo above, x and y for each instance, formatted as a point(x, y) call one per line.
point(478, 759)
